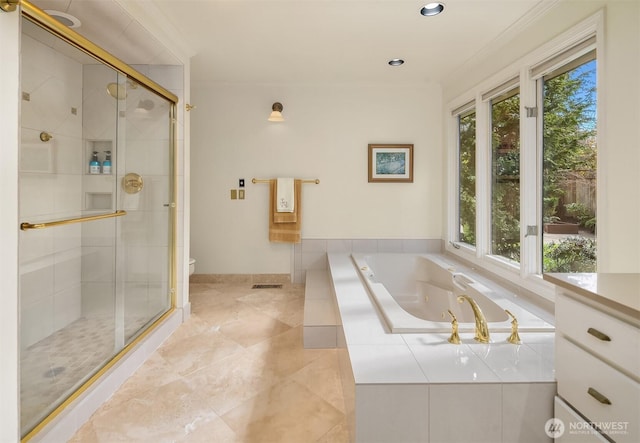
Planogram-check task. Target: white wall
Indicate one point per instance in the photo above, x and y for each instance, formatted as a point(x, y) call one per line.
point(325, 136)
point(619, 106)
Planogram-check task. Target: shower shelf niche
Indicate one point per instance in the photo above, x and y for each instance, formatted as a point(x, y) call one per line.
point(98, 201)
point(99, 146)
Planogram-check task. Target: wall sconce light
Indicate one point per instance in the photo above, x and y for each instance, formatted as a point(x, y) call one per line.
point(276, 113)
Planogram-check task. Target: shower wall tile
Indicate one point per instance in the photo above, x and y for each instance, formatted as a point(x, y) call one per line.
point(157, 223)
point(67, 270)
point(157, 157)
point(136, 264)
point(36, 321)
point(54, 84)
point(67, 194)
point(34, 245)
point(37, 193)
point(97, 264)
point(137, 297)
point(97, 299)
point(36, 285)
point(157, 269)
point(133, 226)
point(67, 238)
point(68, 155)
point(157, 194)
point(135, 156)
point(98, 233)
point(67, 306)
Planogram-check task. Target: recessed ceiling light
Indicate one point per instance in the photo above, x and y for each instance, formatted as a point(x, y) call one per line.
point(396, 62)
point(431, 9)
point(64, 18)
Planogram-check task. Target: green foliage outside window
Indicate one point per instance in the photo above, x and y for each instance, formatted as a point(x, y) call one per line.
point(569, 132)
point(505, 189)
point(467, 165)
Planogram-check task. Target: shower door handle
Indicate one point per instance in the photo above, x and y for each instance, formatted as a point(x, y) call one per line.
point(25, 226)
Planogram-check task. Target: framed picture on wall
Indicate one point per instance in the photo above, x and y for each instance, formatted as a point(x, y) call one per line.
point(391, 163)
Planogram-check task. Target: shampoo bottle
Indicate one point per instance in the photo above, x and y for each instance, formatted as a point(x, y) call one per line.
point(106, 164)
point(94, 164)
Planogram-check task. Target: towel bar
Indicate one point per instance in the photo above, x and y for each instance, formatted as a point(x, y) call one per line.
point(262, 180)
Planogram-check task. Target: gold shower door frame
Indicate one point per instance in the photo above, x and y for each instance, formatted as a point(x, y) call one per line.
point(40, 18)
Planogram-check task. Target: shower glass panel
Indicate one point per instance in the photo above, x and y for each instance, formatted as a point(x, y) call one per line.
point(95, 206)
point(145, 230)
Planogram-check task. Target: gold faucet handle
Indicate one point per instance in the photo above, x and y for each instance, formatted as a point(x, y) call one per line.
point(514, 337)
point(455, 337)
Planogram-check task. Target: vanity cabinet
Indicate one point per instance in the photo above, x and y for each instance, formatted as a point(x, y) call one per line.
point(597, 370)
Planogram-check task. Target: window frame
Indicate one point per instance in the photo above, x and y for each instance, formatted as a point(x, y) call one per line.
point(558, 52)
point(458, 113)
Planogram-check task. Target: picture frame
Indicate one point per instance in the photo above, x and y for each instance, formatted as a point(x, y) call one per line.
point(390, 163)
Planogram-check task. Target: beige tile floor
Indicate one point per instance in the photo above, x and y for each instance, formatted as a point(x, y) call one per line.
point(236, 371)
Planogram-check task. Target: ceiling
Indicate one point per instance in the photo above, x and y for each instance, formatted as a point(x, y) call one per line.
point(274, 41)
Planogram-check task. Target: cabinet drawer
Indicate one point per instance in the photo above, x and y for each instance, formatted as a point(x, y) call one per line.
point(610, 338)
point(573, 431)
point(602, 394)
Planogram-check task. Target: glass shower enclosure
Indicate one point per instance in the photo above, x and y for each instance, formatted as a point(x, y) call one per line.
point(97, 212)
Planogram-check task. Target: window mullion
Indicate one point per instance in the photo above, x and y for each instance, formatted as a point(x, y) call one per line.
point(483, 178)
point(529, 176)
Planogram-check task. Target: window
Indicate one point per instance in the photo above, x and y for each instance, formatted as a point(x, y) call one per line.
point(569, 167)
point(467, 177)
point(526, 160)
point(505, 176)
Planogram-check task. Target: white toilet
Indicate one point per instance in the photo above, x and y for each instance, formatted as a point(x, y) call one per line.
point(192, 265)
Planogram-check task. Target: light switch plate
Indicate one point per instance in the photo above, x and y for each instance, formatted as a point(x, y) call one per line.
point(241, 194)
point(234, 194)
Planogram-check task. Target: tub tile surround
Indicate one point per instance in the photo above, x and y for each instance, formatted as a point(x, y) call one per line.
point(493, 392)
point(312, 253)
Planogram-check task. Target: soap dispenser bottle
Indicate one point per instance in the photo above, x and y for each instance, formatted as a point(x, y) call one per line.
point(94, 164)
point(106, 164)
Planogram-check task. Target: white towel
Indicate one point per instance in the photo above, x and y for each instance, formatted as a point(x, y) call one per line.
point(284, 195)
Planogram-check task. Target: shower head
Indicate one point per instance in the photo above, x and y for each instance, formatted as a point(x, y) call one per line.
point(117, 91)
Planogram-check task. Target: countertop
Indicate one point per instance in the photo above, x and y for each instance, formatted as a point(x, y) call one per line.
point(620, 292)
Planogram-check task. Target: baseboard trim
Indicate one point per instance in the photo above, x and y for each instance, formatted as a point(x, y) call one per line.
point(240, 278)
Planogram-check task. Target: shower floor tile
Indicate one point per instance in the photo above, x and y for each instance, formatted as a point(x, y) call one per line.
point(53, 368)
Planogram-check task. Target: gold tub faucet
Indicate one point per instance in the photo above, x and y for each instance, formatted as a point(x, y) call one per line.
point(482, 330)
point(455, 337)
point(514, 337)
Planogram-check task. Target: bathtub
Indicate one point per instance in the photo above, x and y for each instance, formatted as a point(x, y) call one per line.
point(413, 293)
